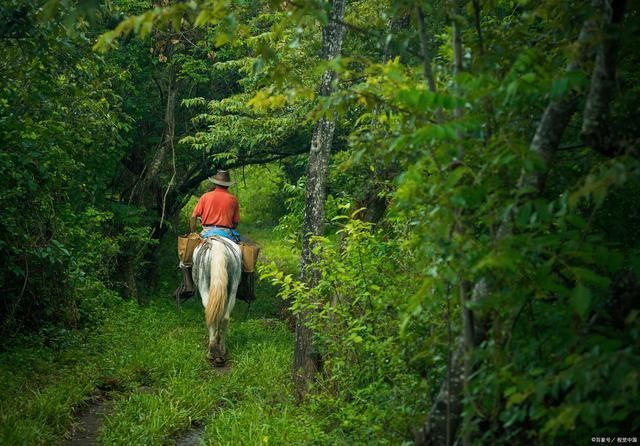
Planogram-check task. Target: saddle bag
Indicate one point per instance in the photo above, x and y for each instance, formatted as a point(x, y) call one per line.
point(250, 253)
point(186, 245)
point(247, 288)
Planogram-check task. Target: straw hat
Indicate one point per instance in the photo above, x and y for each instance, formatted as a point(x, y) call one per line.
point(222, 178)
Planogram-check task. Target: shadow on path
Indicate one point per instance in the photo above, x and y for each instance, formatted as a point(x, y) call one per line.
point(86, 429)
point(193, 437)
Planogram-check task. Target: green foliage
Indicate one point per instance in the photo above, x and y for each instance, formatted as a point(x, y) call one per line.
point(368, 389)
point(454, 199)
point(290, 224)
point(552, 273)
point(556, 263)
point(63, 132)
point(150, 363)
point(42, 153)
point(260, 191)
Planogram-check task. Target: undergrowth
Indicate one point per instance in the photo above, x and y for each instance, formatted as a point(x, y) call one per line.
point(150, 361)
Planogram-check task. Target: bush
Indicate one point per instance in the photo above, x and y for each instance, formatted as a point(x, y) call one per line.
point(368, 390)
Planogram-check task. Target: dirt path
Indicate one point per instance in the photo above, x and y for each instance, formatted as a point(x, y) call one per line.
point(193, 437)
point(88, 425)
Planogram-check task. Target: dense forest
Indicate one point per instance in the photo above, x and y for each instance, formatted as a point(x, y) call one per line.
point(447, 194)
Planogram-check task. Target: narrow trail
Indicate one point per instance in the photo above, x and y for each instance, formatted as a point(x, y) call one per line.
point(86, 429)
point(186, 394)
point(193, 437)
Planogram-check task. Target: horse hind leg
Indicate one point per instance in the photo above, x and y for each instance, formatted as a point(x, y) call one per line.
point(224, 324)
point(223, 335)
point(212, 338)
point(213, 342)
point(216, 351)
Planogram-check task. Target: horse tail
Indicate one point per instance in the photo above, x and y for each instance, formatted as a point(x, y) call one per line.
point(217, 285)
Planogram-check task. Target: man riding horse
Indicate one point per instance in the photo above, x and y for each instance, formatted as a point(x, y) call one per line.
point(217, 262)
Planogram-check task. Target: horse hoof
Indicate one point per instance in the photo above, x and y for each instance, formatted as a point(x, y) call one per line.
point(219, 362)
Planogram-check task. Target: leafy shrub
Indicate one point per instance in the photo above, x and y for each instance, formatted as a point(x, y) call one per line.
point(368, 390)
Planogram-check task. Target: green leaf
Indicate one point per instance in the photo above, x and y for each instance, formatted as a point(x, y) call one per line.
point(559, 88)
point(222, 39)
point(523, 215)
point(580, 300)
point(590, 277)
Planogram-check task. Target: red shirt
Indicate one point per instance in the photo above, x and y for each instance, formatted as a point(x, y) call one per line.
point(218, 208)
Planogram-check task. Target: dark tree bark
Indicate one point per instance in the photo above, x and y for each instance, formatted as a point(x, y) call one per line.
point(424, 49)
point(442, 427)
point(455, 381)
point(596, 131)
point(439, 429)
point(476, 17)
point(158, 161)
point(396, 24)
point(145, 191)
point(148, 190)
point(306, 361)
point(169, 128)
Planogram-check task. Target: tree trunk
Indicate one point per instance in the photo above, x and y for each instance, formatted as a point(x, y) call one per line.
point(424, 48)
point(169, 129)
point(146, 190)
point(457, 381)
point(440, 429)
point(306, 361)
point(150, 192)
point(595, 124)
point(457, 36)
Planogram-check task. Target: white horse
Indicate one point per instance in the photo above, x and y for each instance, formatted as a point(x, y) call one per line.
point(217, 268)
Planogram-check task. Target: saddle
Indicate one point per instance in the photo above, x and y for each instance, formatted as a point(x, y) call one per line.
point(189, 242)
point(229, 233)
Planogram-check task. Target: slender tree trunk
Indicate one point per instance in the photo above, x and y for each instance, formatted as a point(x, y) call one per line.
point(145, 191)
point(164, 152)
point(395, 24)
point(149, 191)
point(169, 129)
point(464, 286)
point(307, 361)
point(424, 48)
point(457, 36)
point(443, 426)
point(476, 16)
point(596, 131)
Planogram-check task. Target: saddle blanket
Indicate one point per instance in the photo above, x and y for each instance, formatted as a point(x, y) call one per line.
point(231, 234)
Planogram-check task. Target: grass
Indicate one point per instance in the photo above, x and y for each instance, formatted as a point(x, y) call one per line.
point(150, 361)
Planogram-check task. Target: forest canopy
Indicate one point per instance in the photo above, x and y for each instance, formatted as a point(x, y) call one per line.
point(460, 179)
